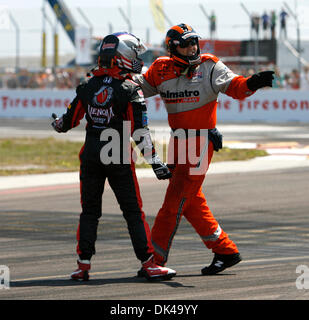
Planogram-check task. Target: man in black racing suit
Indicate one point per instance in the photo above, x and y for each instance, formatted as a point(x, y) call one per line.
point(115, 110)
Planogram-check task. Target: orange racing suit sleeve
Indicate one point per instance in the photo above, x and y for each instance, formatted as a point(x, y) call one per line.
point(238, 88)
point(226, 81)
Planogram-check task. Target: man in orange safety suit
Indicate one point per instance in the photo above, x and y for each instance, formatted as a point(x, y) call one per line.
point(189, 83)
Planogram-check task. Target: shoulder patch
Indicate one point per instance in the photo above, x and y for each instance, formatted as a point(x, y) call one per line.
point(163, 66)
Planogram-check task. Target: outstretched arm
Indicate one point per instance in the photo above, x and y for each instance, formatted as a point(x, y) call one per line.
point(236, 86)
point(71, 119)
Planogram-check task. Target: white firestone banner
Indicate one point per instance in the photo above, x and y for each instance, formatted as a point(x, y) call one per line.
point(264, 105)
point(34, 103)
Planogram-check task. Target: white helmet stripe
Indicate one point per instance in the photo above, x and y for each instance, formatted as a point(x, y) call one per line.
point(190, 35)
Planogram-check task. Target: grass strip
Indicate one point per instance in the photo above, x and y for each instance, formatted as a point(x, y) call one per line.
point(31, 156)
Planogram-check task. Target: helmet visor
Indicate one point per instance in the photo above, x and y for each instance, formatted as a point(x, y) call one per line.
point(189, 42)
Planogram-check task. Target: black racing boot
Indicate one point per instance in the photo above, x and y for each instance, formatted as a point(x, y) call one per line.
point(220, 262)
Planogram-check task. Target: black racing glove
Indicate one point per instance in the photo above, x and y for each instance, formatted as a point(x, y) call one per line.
point(57, 124)
point(216, 138)
point(161, 170)
point(260, 80)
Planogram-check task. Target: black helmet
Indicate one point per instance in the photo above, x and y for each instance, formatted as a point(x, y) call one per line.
point(178, 36)
point(122, 49)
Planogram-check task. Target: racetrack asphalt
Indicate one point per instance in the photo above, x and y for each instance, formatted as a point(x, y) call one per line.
point(263, 208)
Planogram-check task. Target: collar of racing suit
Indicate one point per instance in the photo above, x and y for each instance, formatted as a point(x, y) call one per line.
point(114, 72)
point(184, 70)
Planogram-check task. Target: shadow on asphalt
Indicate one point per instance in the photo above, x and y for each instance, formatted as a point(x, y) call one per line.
point(92, 282)
point(205, 276)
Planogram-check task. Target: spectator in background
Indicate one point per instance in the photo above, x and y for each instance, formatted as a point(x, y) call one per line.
point(66, 78)
point(283, 16)
point(47, 79)
point(23, 79)
point(265, 22)
point(34, 81)
point(287, 81)
point(252, 27)
point(295, 79)
point(63, 79)
point(273, 21)
point(304, 77)
point(278, 82)
point(213, 25)
point(12, 82)
point(255, 26)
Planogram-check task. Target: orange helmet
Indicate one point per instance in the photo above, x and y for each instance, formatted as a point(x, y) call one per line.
point(182, 35)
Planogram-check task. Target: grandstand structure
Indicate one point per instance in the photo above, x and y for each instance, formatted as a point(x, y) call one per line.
point(247, 53)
